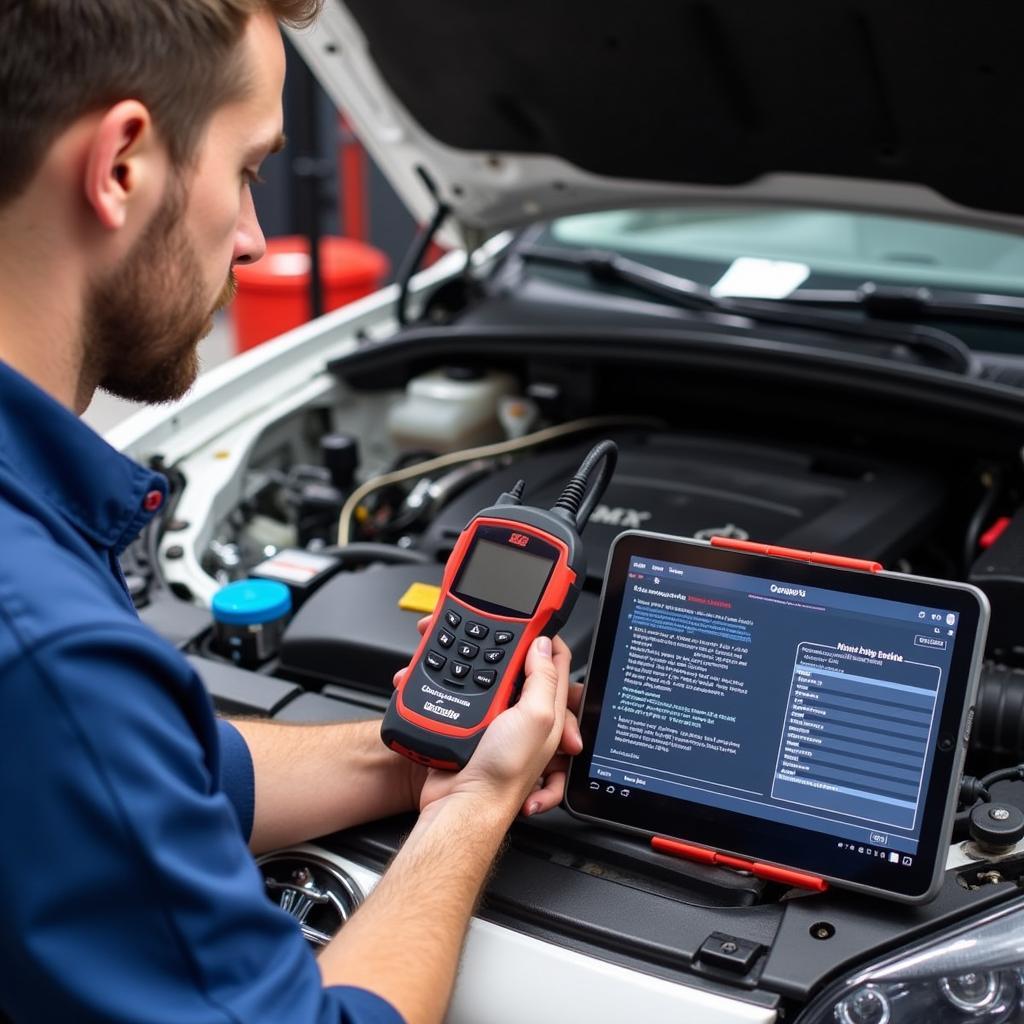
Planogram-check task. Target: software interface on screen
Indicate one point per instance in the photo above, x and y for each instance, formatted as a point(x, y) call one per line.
point(805, 706)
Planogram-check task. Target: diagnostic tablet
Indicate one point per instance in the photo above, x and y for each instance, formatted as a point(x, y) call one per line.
point(769, 710)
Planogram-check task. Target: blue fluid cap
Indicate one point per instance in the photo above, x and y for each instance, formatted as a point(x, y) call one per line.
point(251, 602)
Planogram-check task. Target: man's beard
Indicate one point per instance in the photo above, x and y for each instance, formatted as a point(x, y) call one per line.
point(143, 323)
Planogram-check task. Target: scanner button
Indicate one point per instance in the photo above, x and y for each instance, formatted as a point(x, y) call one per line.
point(503, 636)
point(435, 661)
point(485, 677)
point(445, 639)
point(477, 630)
point(452, 618)
point(493, 656)
point(467, 650)
point(459, 670)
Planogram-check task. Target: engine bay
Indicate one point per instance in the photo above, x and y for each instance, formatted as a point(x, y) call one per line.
point(361, 493)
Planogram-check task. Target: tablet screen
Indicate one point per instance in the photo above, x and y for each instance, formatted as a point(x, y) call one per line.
point(805, 711)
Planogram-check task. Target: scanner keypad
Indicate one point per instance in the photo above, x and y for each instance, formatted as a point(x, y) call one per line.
point(473, 670)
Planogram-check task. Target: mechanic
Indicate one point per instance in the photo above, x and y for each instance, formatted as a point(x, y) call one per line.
point(131, 132)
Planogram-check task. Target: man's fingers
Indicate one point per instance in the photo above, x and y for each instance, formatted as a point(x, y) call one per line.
point(423, 623)
point(571, 741)
point(575, 696)
point(561, 653)
point(541, 670)
point(547, 682)
point(548, 797)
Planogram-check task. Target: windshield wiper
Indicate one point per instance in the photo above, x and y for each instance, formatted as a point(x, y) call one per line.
point(896, 302)
point(609, 267)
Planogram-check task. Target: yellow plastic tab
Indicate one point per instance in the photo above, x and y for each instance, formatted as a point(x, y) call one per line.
point(420, 597)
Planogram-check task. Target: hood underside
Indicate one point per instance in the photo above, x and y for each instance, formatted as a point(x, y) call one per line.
point(510, 113)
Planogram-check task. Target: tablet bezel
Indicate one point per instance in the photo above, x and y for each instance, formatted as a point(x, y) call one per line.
point(778, 844)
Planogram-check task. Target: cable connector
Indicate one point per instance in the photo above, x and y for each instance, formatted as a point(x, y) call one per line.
point(972, 790)
point(513, 497)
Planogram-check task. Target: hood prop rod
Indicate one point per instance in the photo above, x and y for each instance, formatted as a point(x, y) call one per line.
point(414, 259)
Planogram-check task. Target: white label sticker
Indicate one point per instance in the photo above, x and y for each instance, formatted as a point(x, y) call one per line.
point(295, 566)
point(753, 278)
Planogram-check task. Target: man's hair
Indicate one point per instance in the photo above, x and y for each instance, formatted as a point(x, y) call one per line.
point(62, 59)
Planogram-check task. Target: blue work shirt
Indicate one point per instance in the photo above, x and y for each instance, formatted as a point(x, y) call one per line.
point(127, 891)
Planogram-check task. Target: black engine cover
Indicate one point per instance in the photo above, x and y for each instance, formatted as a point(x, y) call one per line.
point(699, 486)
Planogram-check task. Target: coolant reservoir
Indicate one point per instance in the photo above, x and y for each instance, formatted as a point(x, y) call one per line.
point(450, 409)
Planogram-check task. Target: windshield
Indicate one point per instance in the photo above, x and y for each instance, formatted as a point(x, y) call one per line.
point(836, 247)
point(772, 252)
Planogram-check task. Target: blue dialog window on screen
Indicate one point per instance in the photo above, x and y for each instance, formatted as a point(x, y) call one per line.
point(806, 706)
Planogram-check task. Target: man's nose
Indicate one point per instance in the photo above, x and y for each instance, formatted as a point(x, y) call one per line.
point(250, 245)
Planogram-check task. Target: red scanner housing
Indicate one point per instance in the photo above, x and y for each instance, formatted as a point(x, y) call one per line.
point(437, 717)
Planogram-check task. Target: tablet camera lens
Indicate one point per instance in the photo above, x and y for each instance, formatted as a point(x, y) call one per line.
point(972, 993)
point(865, 1006)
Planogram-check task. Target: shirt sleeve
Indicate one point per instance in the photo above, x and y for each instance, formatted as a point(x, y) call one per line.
point(128, 892)
point(236, 775)
point(358, 1006)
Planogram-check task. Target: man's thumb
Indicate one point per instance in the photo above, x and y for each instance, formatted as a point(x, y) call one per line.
point(540, 666)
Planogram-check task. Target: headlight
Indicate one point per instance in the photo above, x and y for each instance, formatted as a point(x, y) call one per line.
point(974, 973)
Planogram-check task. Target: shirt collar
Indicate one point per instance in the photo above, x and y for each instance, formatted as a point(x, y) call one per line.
point(61, 460)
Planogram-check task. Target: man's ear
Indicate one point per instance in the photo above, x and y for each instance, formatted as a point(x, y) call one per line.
point(125, 163)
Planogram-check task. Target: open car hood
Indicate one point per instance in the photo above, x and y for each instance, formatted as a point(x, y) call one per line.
point(514, 112)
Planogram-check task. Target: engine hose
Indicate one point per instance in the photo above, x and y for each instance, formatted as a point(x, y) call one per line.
point(962, 824)
point(997, 737)
point(992, 481)
point(489, 451)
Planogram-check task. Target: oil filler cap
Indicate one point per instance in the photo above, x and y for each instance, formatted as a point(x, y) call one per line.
point(996, 828)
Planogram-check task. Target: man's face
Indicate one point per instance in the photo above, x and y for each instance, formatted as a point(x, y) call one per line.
point(143, 322)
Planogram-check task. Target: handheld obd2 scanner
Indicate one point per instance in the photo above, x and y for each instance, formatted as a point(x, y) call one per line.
point(514, 575)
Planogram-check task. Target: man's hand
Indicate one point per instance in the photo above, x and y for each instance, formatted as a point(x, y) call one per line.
point(428, 893)
point(505, 750)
